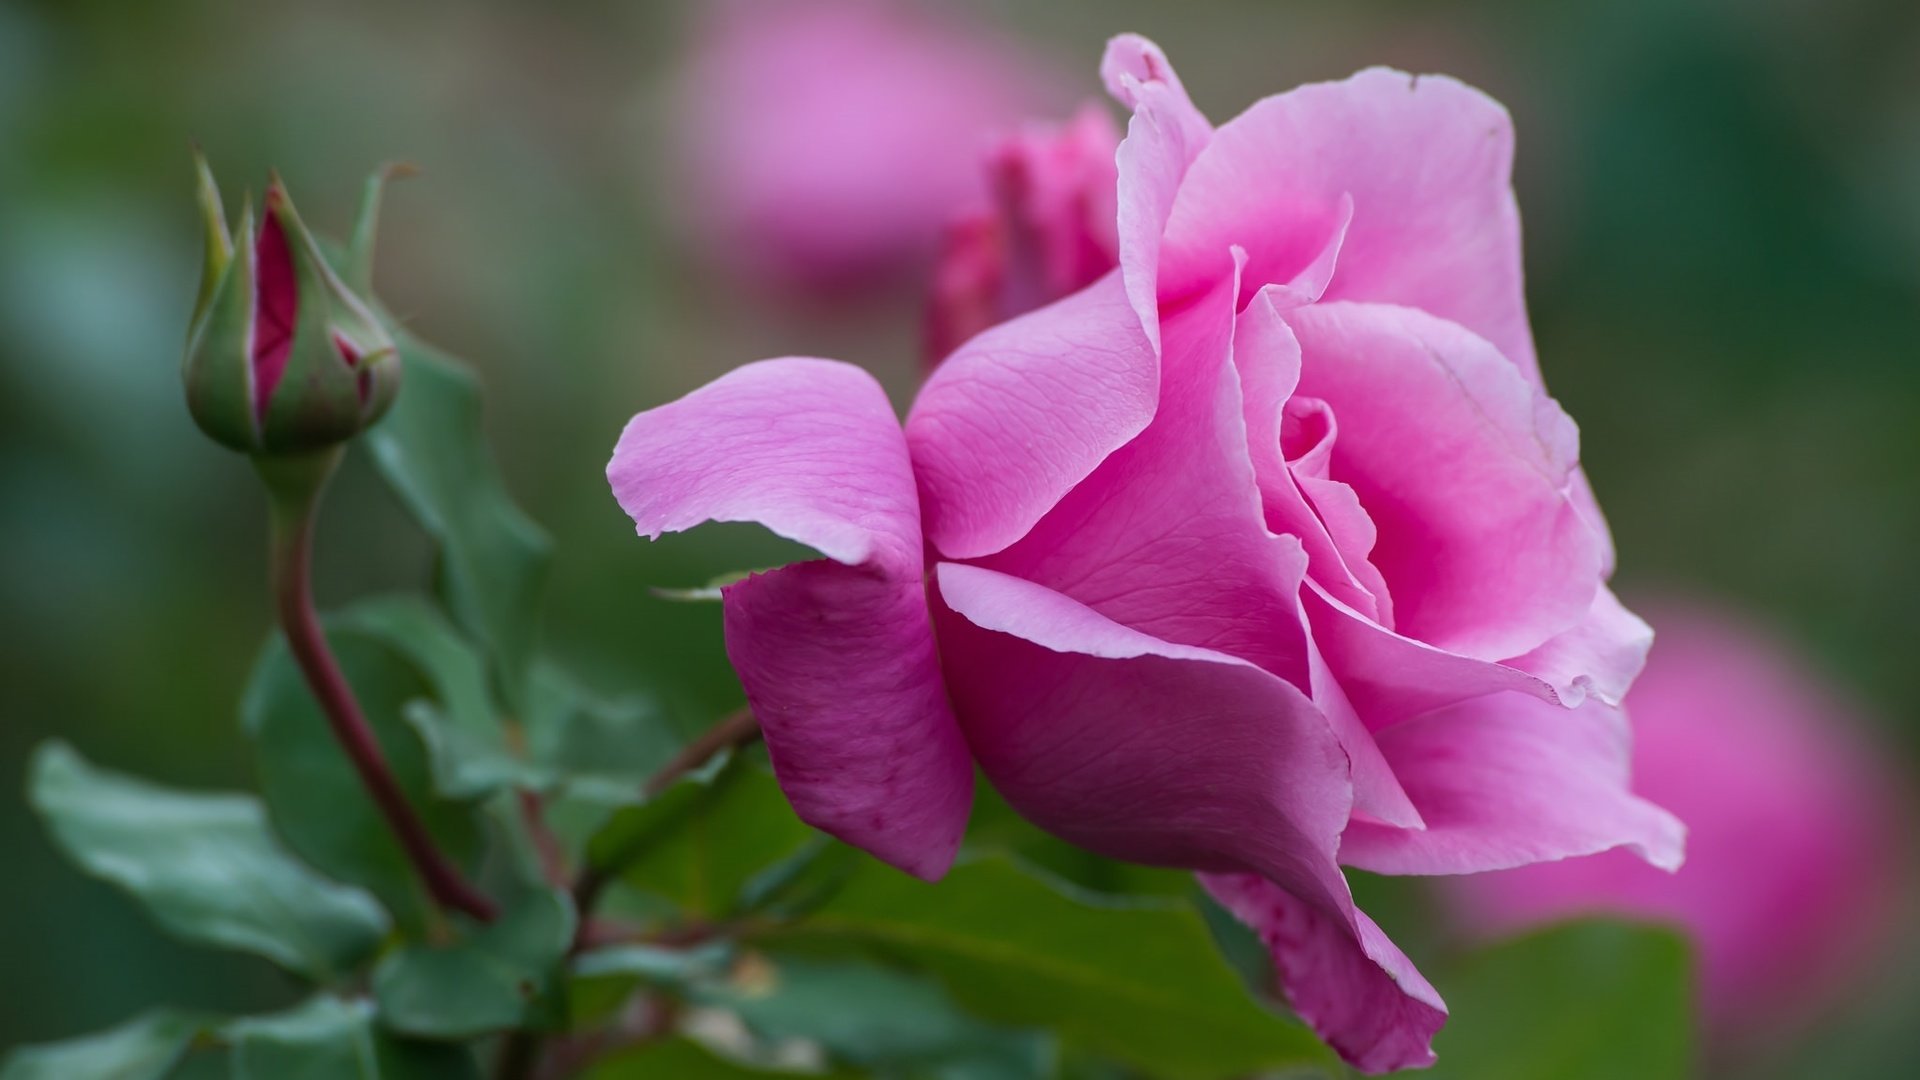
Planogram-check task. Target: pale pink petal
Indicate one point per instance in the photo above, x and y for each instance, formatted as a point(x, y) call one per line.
point(1391, 678)
point(1135, 69)
point(1138, 748)
point(1599, 656)
point(1168, 537)
point(1351, 984)
point(837, 658)
point(1507, 780)
point(1166, 133)
point(1267, 356)
point(1427, 163)
point(808, 448)
point(1020, 414)
point(1464, 467)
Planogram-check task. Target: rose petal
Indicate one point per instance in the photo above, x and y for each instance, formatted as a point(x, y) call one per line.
point(1267, 356)
point(1168, 538)
point(837, 658)
point(1165, 134)
point(1351, 984)
point(1601, 655)
point(1464, 467)
point(1021, 413)
point(1139, 748)
point(1507, 780)
point(840, 667)
point(1427, 162)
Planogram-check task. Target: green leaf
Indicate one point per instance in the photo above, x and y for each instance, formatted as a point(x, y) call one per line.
point(144, 1048)
point(493, 558)
point(330, 1039)
point(683, 1059)
point(312, 791)
point(656, 964)
point(501, 977)
point(593, 749)
point(205, 865)
point(699, 844)
point(1581, 1001)
point(1136, 980)
point(870, 1016)
point(467, 744)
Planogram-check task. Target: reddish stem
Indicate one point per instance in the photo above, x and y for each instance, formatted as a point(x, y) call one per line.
point(293, 594)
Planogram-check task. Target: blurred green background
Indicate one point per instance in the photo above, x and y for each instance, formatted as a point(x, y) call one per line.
point(1722, 200)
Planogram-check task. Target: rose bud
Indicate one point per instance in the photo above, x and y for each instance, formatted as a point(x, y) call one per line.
point(282, 358)
point(1046, 231)
point(1795, 853)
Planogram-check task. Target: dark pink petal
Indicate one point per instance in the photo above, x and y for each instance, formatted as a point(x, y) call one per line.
point(839, 666)
point(1427, 164)
point(1464, 467)
point(1153, 752)
point(1508, 780)
point(1352, 985)
point(1017, 416)
point(1139, 748)
point(276, 305)
point(837, 658)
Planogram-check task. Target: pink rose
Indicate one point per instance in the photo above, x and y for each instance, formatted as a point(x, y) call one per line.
point(1793, 854)
point(827, 141)
point(1046, 230)
point(1263, 553)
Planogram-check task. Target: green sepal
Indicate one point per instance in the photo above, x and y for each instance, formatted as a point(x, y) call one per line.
point(217, 370)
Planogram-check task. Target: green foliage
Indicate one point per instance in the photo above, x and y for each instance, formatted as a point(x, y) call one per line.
point(144, 1048)
point(873, 1017)
point(205, 865)
point(699, 844)
point(500, 977)
point(1581, 1001)
point(591, 749)
point(330, 1039)
point(1137, 980)
point(316, 799)
point(683, 1059)
point(492, 558)
point(467, 745)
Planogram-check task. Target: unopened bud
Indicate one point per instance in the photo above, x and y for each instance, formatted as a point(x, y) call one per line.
point(282, 358)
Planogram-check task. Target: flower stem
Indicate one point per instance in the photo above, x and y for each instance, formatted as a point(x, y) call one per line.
point(736, 730)
point(294, 487)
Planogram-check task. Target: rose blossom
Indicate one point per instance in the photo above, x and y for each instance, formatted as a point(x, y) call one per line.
point(1793, 857)
point(1047, 230)
point(1263, 553)
point(827, 141)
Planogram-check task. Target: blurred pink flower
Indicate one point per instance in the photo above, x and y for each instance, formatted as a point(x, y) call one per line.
point(1044, 230)
point(827, 141)
point(1263, 553)
point(1793, 854)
